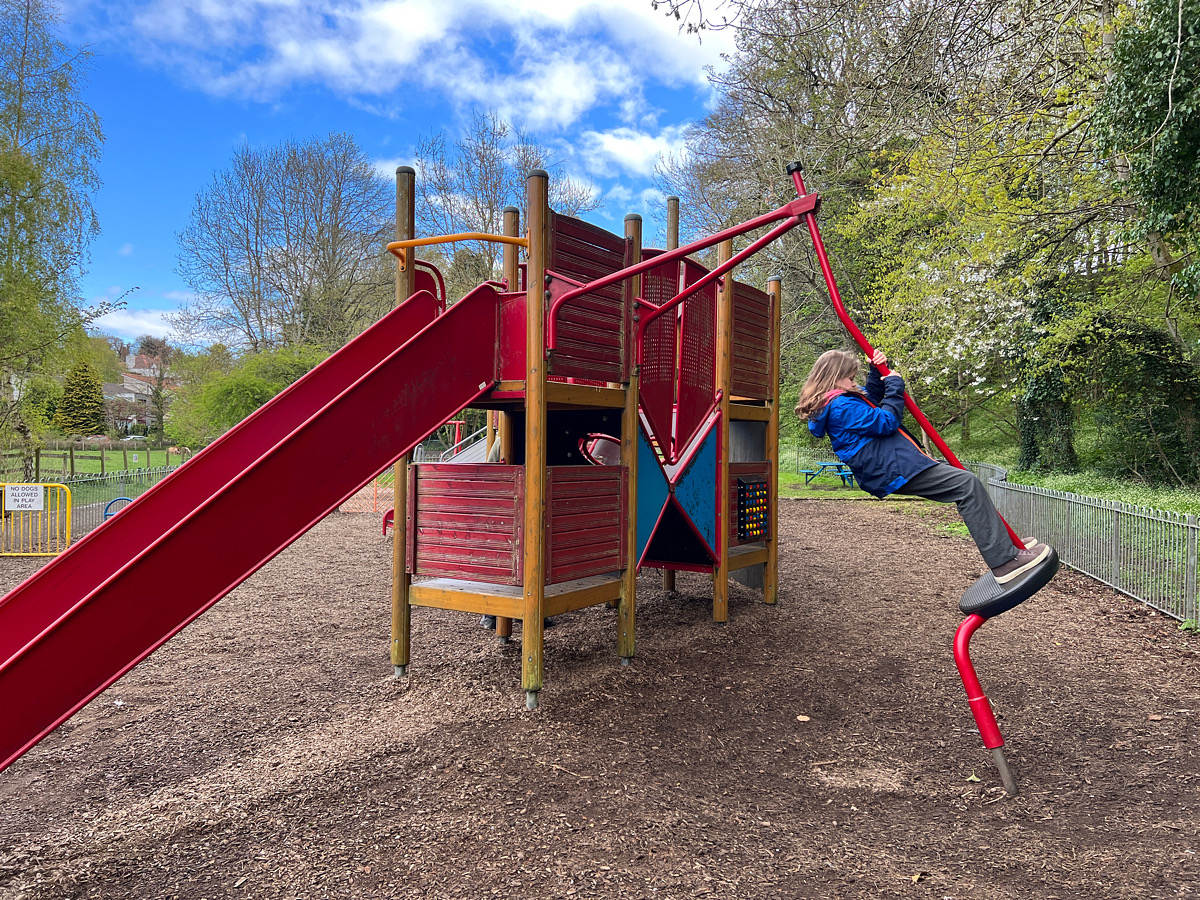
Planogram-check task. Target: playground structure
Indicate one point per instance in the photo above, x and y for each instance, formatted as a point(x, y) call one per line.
point(644, 347)
point(594, 340)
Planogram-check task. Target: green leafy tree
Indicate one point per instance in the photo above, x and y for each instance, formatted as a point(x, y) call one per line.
point(187, 422)
point(213, 400)
point(49, 143)
point(81, 407)
point(1150, 119)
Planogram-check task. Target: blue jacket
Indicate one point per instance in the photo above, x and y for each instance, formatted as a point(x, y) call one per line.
point(868, 437)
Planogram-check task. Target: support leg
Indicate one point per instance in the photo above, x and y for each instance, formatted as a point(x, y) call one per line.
point(981, 709)
point(503, 628)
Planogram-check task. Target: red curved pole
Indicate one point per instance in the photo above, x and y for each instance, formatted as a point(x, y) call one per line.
point(835, 296)
point(981, 708)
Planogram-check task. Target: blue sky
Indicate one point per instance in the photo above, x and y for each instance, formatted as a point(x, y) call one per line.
point(609, 86)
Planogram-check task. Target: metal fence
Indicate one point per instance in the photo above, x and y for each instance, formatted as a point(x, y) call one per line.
point(1149, 554)
point(91, 494)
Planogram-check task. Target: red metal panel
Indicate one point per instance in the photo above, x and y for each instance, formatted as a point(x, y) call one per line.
point(99, 609)
point(593, 329)
point(585, 521)
point(751, 471)
point(751, 343)
point(512, 337)
point(697, 357)
point(657, 380)
point(468, 521)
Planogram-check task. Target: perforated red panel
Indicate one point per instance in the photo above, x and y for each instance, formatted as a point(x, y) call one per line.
point(751, 343)
point(697, 356)
point(659, 351)
point(592, 329)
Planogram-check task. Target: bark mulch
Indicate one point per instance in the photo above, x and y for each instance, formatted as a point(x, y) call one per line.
point(821, 748)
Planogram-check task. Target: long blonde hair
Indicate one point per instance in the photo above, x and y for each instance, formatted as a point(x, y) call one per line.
point(830, 368)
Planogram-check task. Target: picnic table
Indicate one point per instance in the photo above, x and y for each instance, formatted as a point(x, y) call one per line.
point(838, 469)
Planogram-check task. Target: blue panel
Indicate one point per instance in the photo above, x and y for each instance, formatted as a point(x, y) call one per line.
point(696, 489)
point(652, 492)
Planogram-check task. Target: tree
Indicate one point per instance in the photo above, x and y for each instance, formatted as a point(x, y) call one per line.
point(188, 422)
point(285, 248)
point(1150, 119)
point(464, 186)
point(81, 408)
point(49, 142)
point(257, 378)
point(161, 356)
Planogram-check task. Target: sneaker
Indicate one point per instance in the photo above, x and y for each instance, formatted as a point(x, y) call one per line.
point(488, 622)
point(1021, 563)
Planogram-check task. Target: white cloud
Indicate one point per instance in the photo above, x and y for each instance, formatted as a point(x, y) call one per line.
point(386, 168)
point(618, 195)
point(542, 62)
point(126, 249)
point(635, 152)
point(131, 323)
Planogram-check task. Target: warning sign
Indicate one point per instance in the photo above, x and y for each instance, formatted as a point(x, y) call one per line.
point(24, 497)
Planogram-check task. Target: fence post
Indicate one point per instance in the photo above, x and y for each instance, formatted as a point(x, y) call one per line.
point(37, 464)
point(72, 453)
point(1190, 594)
point(1116, 543)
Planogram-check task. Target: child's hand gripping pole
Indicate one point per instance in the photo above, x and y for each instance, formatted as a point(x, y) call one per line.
point(796, 170)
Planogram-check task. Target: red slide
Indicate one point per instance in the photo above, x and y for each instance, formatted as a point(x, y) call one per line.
point(81, 622)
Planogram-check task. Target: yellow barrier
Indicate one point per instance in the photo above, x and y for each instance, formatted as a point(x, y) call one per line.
point(35, 519)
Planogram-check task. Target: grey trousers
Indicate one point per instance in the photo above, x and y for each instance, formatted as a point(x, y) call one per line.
point(946, 484)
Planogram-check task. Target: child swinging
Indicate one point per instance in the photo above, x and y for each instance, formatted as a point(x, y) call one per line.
point(863, 425)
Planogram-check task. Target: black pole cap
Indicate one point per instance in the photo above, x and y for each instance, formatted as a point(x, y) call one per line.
point(795, 167)
point(405, 170)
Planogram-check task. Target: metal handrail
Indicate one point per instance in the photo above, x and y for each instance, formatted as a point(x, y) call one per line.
point(454, 449)
point(797, 208)
point(398, 248)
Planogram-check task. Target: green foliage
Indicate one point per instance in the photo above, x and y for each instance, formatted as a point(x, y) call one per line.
point(49, 142)
point(217, 393)
point(1144, 395)
point(81, 408)
point(1150, 115)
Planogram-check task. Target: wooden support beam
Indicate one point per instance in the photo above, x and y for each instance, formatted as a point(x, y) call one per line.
point(771, 571)
point(406, 180)
point(534, 556)
point(627, 606)
point(724, 385)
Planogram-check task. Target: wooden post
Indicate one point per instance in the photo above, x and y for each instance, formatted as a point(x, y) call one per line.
point(771, 573)
point(511, 272)
point(725, 386)
point(124, 460)
point(534, 562)
point(406, 183)
point(672, 244)
point(71, 451)
point(627, 607)
point(37, 465)
point(104, 453)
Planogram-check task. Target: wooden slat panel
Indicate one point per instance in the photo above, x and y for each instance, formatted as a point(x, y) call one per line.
point(593, 330)
point(751, 343)
point(468, 522)
point(585, 521)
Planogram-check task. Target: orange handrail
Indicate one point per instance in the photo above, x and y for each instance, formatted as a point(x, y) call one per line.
point(397, 248)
